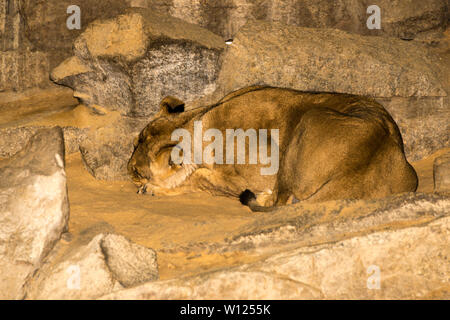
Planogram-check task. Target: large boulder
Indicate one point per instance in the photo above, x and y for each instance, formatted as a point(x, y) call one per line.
point(403, 75)
point(34, 208)
point(106, 150)
point(396, 248)
point(328, 60)
point(129, 63)
point(12, 139)
point(125, 66)
point(108, 262)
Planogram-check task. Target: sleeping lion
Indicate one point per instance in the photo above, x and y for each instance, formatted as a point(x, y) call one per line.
point(272, 146)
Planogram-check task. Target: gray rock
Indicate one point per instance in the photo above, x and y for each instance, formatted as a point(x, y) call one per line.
point(404, 19)
point(131, 264)
point(34, 208)
point(404, 76)
point(85, 271)
point(105, 151)
point(392, 252)
point(328, 60)
point(73, 137)
point(182, 69)
point(410, 19)
point(410, 263)
point(441, 173)
point(223, 285)
point(422, 122)
point(131, 62)
point(13, 139)
point(305, 224)
point(24, 69)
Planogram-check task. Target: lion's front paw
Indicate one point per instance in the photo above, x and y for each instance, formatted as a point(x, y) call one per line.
point(145, 190)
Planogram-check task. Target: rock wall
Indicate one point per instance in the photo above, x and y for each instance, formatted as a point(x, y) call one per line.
point(34, 37)
point(404, 19)
point(36, 33)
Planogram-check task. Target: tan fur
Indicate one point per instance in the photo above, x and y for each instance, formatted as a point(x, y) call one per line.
point(332, 146)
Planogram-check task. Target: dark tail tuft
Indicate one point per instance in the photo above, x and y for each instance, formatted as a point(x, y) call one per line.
point(248, 198)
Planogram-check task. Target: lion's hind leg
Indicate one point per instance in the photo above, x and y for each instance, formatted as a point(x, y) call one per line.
point(329, 157)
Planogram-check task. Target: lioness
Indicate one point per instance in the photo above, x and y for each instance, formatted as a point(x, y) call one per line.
point(330, 146)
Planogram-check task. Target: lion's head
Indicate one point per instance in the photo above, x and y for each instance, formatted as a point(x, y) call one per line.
point(151, 162)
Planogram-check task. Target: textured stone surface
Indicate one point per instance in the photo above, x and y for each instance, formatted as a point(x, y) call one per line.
point(130, 263)
point(34, 37)
point(441, 173)
point(404, 19)
point(40, 26)
point(304, 225)
point(34, 208)
point(105, 151)
point(23, 69)
point(21, 108)
point(43, 17)
point(10, 27)
point(404, 76)
point(328, 60)
point(333, 256)
point(408, 19)
point(181, 69)
point(108, 262)
point(14, 139)
point(73, 137)
point(423, 123)
point(131, 62)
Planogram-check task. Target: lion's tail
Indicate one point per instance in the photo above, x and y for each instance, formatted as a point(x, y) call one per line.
point(248, 198)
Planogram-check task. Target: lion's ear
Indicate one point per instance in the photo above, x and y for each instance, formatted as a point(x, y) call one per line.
point(171, 105)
